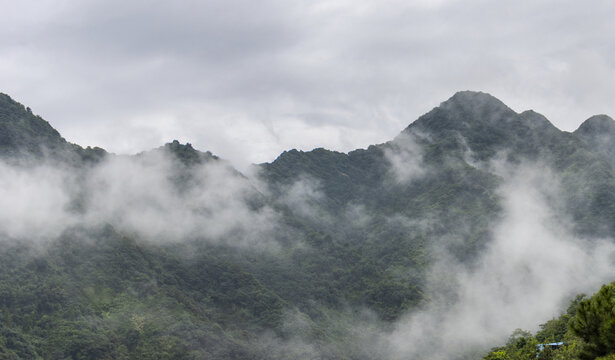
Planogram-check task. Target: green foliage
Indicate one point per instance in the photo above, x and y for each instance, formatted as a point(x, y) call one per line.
point(117, 298)
point(24, 135)
point(94, 293)
point(594, 322)
point(497, 355)
point(523, 345)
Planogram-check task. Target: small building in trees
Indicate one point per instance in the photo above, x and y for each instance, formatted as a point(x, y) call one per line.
point(552, 346)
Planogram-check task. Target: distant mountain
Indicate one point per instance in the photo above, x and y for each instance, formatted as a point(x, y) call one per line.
point(483, 126)
point(172, 253)
point(598, 132)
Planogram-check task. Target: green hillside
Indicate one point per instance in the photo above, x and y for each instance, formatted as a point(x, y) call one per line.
point(174, 254)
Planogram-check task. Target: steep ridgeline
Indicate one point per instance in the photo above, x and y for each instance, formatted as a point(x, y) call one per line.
point(173, 254)
point(482, 128)
point(25, 135)
point(446, 159)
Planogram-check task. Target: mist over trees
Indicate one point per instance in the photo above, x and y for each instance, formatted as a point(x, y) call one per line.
point(473, 222)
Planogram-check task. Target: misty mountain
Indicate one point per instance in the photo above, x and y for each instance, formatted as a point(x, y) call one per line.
point(386, 252)
point(25, 135)
point(597, 132)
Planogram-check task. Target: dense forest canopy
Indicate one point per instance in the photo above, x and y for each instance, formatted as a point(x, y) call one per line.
point(473, 222)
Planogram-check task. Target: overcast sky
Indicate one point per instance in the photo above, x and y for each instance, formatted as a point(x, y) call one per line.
point(248, 79)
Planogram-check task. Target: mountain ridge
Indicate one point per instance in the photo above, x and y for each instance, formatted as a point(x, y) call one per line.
point(173, 254)
point(25, 135)
point(476, 104)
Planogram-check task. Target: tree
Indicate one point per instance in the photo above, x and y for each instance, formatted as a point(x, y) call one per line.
point(497, 355)
point(594, 322)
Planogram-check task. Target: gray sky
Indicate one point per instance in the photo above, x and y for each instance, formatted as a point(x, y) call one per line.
point(248, 79)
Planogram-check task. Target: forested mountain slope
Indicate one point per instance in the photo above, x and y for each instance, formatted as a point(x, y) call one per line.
point(172, 253)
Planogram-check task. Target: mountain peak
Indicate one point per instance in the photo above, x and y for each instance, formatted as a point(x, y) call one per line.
point(597, 124)
point(472, 95)
point(464, 110)
point(598, 132)
point(475, 101)
point(187, 154)
point(475, 106)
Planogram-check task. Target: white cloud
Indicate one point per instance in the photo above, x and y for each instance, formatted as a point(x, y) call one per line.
point(405, 157)
point(148, 195)
point(526, 275)
point(36, 202)
point(340, 75)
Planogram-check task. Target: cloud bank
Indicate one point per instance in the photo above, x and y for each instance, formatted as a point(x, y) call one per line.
point(533, 266)
point(247, 81)
point(150, 195)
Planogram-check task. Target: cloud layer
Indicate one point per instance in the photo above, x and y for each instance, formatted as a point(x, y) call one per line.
point(248, 80)
point(150, 195)
point(528, 273)
point(529, 270)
